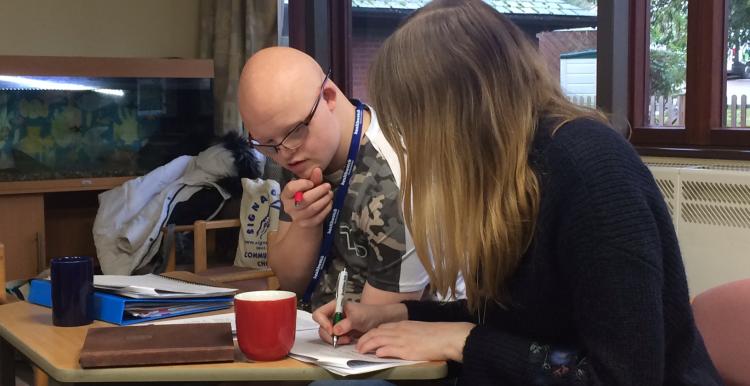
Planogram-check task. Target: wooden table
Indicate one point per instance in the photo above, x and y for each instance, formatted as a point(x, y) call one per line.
point(28, 329)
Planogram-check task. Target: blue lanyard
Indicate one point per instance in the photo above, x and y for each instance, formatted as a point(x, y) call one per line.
point(338, 203)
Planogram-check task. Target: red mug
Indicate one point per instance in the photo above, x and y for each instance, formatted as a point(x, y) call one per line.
point(266, 322)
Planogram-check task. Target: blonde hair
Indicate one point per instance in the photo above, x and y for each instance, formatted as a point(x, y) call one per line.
point(459, 91)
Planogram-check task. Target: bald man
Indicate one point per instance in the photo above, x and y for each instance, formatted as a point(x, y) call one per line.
point(297, 116)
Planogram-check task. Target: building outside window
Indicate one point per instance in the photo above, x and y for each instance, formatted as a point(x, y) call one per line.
point(561, 29)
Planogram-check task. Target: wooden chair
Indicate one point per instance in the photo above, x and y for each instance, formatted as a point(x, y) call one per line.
point(241, 278)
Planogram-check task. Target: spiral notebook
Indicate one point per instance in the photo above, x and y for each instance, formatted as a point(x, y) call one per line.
point(171, 285)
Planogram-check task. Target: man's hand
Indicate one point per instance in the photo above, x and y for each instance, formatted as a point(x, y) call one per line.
point(317, 200)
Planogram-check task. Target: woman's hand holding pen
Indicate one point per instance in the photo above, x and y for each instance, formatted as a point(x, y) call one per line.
point(316, 201)
point(359, 318)
point(384, 330)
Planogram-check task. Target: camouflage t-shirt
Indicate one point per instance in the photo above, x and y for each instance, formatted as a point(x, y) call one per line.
point(371, 239)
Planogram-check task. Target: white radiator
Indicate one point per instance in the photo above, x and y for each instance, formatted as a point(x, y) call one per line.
point(710, 205)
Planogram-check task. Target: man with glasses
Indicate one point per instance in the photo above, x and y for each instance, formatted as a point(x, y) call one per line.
point(298, 117)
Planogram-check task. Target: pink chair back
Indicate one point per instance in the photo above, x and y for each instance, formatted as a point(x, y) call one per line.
point(723, 317)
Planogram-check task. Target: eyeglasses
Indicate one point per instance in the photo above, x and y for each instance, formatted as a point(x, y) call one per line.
point(296, 136)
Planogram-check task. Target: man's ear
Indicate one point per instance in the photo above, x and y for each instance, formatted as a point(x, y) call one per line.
point(329, 97)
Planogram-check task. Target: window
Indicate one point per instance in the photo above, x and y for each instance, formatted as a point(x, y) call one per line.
point(667, 50)
point(564, 30)
point(676, 70)
point(283, 22)
point(701, 110)
point(738, 65)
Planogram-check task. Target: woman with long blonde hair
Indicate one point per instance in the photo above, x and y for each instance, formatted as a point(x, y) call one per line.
point(572, 268)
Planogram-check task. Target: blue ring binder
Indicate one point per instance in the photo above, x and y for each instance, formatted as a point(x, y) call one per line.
point(111, 308)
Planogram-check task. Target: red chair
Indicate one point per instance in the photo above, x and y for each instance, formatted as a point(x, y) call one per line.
point(723, 317)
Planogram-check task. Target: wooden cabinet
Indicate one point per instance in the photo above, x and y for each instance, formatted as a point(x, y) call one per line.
point(22, 232)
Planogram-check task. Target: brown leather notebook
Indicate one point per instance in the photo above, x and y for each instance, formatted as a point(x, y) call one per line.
point(157, 345)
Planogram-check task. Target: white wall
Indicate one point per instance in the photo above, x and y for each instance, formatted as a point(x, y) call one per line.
point(100, 28)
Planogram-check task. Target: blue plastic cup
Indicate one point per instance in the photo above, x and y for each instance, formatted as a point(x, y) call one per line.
point(72, 291)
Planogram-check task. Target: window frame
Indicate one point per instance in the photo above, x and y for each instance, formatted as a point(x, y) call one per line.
point(703, 135)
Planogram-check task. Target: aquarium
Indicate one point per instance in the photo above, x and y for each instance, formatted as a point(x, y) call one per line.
point(61, 127)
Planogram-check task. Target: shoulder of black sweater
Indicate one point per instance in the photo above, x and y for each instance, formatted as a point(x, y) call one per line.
point(595, 180)
point(592, 147)
point(581, 138)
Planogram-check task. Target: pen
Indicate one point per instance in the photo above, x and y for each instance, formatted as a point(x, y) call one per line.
point(297, 198)
point(339, 314)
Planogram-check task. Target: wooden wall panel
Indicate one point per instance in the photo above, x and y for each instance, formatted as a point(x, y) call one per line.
point(69, 220)
point(22, 232)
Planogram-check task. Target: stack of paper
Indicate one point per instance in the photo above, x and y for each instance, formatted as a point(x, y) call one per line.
point(156, 287)
point(161, 309)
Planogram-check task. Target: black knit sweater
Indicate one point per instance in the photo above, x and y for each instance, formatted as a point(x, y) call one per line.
point(600, 297)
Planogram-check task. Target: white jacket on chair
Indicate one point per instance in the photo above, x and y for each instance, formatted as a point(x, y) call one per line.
point(127, 229)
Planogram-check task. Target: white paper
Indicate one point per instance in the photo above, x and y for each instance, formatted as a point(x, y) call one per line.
point(342, 360)
point(304, 321)
point(156, 287)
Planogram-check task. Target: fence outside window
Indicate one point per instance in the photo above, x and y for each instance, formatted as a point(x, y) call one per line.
point(669, 111)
